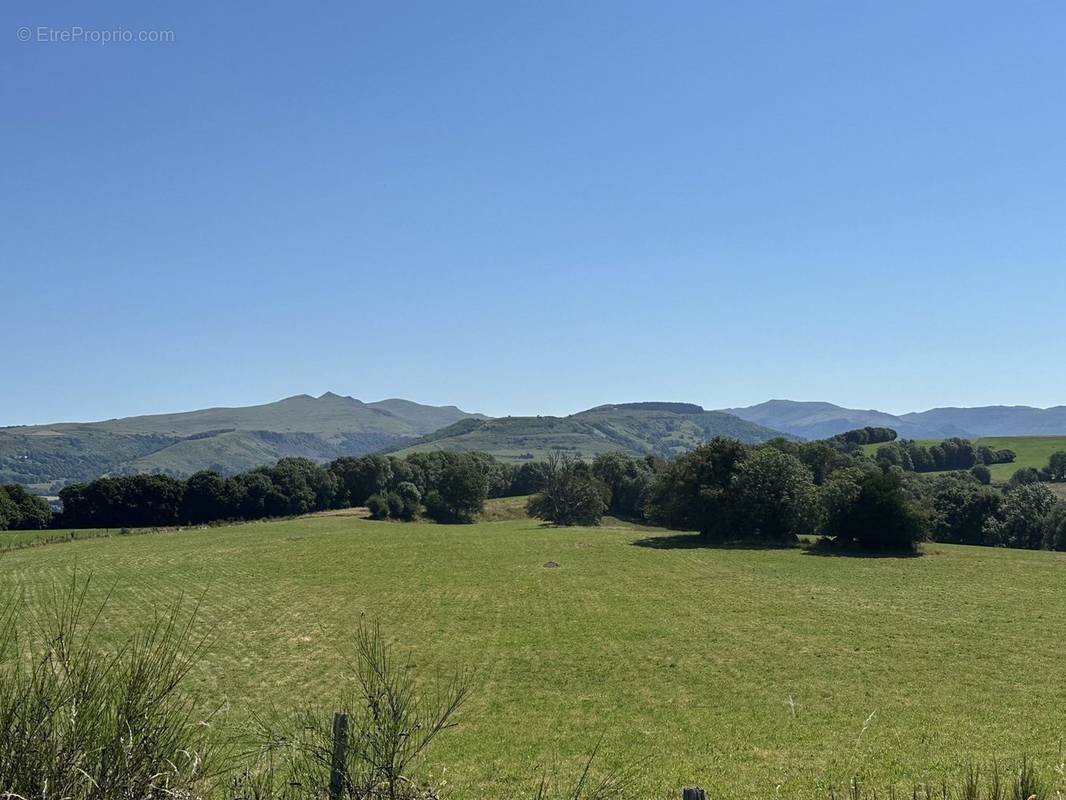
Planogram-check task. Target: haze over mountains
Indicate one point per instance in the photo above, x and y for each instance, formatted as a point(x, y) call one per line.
point(322, 428)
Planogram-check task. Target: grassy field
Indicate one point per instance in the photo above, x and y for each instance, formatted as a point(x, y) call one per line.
point(753, 672)
point(1032, 451)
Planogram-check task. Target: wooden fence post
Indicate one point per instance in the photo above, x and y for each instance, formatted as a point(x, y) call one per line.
point(693, 793)
point(340, 755)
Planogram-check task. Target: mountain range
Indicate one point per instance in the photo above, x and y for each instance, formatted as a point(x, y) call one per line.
point(814, 420)
point(225, 439)
point(234, 439)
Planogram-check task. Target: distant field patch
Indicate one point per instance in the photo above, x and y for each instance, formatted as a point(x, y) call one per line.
point(1032, 451)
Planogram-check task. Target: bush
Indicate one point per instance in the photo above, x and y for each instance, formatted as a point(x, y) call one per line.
point(571, 495)
point(869, 509)
point(88, 724)
point(378, 505)
point(1024, 477)
point(393, 719)
point(982, 473)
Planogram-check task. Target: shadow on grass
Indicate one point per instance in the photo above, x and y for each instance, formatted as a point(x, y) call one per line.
point(691, 541)
point(827, 548)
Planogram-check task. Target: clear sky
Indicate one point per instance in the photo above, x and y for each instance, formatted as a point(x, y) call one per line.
point(532, 207)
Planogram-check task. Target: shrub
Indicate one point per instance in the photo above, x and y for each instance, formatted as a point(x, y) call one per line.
point(571, 495)
point(1025, 476)
point(393, 719)
point(982, 473)
point(378, 505)
point(88, 724)
point(868, 508)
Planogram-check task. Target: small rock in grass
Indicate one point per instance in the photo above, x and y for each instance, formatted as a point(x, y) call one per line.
point(551, 565)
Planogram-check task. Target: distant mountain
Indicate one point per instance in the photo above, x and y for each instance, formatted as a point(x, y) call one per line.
point(995, 420)
point(225, 439)
point(234, 439)
point(821, 420)
point(663, 429)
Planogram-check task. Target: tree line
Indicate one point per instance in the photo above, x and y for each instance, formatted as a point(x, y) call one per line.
point(448, 487)
point(20, 510)
point(950, 454)
point(727, 491)
point(777, 492)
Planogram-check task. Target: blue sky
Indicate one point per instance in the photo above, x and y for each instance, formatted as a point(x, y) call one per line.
point(533, 207)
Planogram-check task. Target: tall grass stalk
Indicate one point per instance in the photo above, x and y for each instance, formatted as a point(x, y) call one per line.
point(392, 722)
point(81, 723)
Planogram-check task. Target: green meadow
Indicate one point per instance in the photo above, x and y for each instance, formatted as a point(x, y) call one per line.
point(1032, 451)
point(761, 673)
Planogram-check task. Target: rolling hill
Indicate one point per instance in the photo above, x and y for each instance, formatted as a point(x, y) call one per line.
point(663, 429)
point(226, 439)
point(820, 420)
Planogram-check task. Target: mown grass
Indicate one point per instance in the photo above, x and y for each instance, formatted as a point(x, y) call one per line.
point(1031, 451)
point(754, 673)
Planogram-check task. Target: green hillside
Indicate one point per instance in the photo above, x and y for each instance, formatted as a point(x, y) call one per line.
point(755, 673)
point(663, 429)
point(225, 439)
point(1032, 451)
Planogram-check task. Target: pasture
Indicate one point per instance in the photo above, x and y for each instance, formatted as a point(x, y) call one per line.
point(757, 673)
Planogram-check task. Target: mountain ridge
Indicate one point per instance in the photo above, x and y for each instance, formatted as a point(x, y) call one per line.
point(225, 438)
point(819, 419)
point(648, 428)
point(235, 438)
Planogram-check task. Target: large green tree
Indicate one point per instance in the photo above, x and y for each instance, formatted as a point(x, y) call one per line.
point(20, 510)
point(460, 490)
point(1021, 519)
point(695, 491)
point(868, 508)
point(775, 499)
